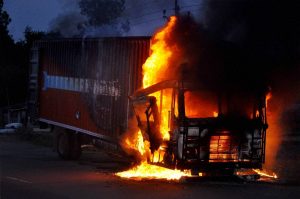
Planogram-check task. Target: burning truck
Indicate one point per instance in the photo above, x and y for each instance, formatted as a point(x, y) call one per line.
point(202, 136)
point(91, 88)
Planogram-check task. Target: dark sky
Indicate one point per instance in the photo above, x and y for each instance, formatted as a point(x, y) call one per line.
point(35, 13)
point(145, 15)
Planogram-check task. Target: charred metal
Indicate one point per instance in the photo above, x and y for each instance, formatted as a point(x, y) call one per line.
point(228, 141)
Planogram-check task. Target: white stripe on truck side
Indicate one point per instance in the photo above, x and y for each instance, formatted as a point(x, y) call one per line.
point(97, 87)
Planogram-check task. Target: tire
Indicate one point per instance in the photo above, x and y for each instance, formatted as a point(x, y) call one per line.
point(68, 145)
point(75, 152)
point(63, 145)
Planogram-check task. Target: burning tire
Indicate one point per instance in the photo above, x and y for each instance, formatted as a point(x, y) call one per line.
point(68, 145)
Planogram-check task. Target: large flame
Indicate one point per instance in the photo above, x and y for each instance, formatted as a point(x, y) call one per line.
point(145, 170)
point(154, 71)
point(156, 65)
point(155, 68)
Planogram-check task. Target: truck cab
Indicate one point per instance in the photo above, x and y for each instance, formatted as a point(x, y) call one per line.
point(191, 127)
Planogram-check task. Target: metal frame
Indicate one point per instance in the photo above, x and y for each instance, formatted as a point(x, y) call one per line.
point(97, 135)
point(198, 163)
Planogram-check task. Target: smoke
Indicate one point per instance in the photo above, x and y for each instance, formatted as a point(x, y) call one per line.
point(138, 19)
point(71, 23)
point(145, 17)
point(267, 35)
point(243, 46)
point(266, 29)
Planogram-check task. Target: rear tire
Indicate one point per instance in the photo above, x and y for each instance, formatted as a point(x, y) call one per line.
point(63, 145)
point(68, 145)
point(75, 152)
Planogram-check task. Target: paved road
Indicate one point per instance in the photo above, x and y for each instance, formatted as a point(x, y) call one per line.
point(31, 171)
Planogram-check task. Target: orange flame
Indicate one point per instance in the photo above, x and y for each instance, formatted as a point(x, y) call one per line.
point(145, 170)
point(155, 68)
point(265, 174)
point(274, 110)
point(156, 65)
point(216, 114)
point(268, 97)
point(154, 71)
point(137, 144)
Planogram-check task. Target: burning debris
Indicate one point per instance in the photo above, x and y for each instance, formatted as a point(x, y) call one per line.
point(265, 174)
point(148, 171)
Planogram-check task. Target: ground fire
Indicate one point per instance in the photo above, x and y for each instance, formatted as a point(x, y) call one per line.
point(188, 127)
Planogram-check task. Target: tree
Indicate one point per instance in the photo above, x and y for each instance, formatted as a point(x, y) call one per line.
point(101, 12)
point(6, 49)
point(14, 62)
point(4, 20)
point(6, 42)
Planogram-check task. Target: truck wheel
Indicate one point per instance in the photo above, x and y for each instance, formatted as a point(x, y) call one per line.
point(63, 147)
point(68, 145)
point(75, 152)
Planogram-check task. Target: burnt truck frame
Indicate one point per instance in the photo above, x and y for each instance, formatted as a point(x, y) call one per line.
point(239, 141)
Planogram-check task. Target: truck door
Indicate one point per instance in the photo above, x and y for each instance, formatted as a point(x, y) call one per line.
point(147, 115)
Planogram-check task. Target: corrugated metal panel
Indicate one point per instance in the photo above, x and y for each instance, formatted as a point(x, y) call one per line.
point(86, 83)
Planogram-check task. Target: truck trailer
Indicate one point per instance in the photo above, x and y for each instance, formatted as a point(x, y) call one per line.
point(81, 87)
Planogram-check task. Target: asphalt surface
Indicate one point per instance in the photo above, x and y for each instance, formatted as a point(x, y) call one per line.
point(32, 171)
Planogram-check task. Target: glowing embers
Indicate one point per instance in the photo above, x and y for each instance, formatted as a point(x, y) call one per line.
point(200, 104)
point(148, 171)
point(256, 174)
point(216, 114)
point(264, 173)
point(223, 148)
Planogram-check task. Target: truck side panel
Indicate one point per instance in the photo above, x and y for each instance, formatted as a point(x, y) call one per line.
point(85, 84)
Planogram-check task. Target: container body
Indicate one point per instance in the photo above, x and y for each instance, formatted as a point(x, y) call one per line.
point(84, 84)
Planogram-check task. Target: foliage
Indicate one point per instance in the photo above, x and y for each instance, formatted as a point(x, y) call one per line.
point(101, 12)
point(4, 20)
point(6, 52)
point(14, 62)
point(5, 39)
